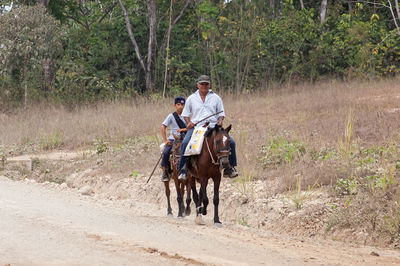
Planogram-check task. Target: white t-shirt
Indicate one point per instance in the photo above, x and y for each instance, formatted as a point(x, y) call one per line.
point(170, 121)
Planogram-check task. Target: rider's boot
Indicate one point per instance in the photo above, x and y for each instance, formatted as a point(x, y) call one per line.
point(230, 172)
point(165, 177)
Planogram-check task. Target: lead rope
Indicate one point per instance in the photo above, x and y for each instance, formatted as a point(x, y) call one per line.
point(209, 151)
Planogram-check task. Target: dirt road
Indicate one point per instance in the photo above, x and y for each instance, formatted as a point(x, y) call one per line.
point(49, 225)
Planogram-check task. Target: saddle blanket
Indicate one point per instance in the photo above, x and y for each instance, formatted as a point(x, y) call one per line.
point(196, 141)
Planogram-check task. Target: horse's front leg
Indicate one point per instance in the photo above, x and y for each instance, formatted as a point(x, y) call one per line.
point(203, 192)
point(188, 198)
point(196, 199)
point(168, 193)
point(216, 200)
point(179, 199)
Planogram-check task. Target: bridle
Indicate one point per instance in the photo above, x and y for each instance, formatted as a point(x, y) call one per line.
point(222, 152)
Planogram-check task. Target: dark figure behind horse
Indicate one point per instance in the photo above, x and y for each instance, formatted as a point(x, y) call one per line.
point(179, 185)
point(210, 163)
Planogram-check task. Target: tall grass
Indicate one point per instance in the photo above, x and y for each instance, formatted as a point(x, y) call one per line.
point(58, 127)
point(315, 115)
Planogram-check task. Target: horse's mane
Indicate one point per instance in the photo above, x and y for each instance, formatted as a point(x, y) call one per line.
point(210, 130)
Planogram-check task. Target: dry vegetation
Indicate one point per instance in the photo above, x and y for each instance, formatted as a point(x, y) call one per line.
point(339, 137)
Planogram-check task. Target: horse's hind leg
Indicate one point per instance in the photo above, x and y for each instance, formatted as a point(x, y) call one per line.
point(168, 193)
point(188, 199)
point(179, 192)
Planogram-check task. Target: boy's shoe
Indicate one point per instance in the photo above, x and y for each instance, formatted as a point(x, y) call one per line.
point(182, 176)
point(165, 177)
point(230, 172)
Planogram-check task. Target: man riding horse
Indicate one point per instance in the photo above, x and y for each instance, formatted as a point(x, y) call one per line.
point(203, 103)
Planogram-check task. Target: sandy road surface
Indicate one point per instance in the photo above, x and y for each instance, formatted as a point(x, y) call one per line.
point(42, 225)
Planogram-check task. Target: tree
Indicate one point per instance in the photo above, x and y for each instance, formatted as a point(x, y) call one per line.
point(28, 35)
point(324, 4)
point(152, 19)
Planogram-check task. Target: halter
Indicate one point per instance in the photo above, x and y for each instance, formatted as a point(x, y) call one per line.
point(225, 150)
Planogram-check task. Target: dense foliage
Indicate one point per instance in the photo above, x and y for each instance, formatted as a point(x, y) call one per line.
point(79, 51)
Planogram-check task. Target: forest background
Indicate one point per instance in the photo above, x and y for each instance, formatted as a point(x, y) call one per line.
point(74, 52)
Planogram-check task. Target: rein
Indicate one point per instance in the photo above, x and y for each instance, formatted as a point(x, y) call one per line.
point(212, 157)
point(216, 162)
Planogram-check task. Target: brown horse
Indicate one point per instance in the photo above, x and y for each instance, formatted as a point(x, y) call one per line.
point(210, 163)
point(179, 185)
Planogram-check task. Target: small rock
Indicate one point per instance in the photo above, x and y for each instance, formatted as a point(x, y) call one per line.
point(63, 185)
point(86, 190)
point(374, 254)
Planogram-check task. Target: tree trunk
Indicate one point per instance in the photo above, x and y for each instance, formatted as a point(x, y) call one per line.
point(25, 73)
point(393, 15)
point(280, 8)
point(167, 54)
point(48, 69)
point(350, 7)
point(301, 4)
point(133, 40)
point(45, 3)
point(175, 20)
point(272, 7)
point(151, 9)
point(324, 4)
point(396, 2)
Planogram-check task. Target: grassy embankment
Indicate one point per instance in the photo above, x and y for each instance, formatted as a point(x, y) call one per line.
point(343, 135)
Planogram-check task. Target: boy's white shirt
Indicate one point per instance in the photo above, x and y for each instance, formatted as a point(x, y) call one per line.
point(171, 122)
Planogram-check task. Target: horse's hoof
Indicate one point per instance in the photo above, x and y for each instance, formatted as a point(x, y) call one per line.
point(218, 224)
point(169, 215)
point(187, 212)
point(199, 220)
point(180, 217)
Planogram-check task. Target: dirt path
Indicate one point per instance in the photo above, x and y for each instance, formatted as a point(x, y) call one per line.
point(48, 225)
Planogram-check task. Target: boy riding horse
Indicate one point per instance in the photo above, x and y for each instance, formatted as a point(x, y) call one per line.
point(178, 125)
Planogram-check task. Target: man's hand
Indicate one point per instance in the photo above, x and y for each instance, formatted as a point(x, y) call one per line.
point(180, 130)
point(220, 119)
point(168, 142)
point(190, 125)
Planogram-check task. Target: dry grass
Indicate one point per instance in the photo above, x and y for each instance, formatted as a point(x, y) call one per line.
point(113, 122)
point(313, 116)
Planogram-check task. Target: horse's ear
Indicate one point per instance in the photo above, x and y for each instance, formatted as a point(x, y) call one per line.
point(217, 127)
point(228, 128)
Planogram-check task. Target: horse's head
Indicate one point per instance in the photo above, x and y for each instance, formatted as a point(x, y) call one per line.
point(222, 146)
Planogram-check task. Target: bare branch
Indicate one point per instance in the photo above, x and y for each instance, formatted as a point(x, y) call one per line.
point(133, 40)
point(394, 17)
point(176, 19)
point(107, 12)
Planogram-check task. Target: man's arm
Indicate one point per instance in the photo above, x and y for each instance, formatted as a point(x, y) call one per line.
point(188, 122)
point(220, 120)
